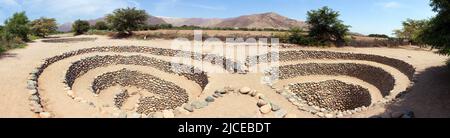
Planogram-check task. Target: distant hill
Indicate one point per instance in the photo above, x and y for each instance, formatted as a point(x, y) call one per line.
point(263, 20)
point(66, 27)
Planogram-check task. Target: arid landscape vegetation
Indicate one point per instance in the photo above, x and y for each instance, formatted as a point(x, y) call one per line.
point(131, 64)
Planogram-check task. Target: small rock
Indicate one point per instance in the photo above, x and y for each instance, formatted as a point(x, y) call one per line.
point(275, 107)
point(320, 114)
point(221, 91)
point(340, 115)
point(37, 109)
point(199, 105)
point(245, 90)
point(34, 98)
point(71, 94)
point(259, 96)
point(265, 109)
point(188, 107)
point(209, 99)
point(280, 113)
point(168, 114)
point(32, 92)
point(261, 103)
point(45, 115)
point(253, 93)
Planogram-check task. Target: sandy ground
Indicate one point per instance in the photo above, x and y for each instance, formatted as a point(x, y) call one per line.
point(428, 98)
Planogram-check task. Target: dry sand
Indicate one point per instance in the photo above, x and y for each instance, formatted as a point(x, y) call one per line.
point(428, 98)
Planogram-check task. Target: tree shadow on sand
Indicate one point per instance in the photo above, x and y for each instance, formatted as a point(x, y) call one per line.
point(7, 55)
point(429, 96)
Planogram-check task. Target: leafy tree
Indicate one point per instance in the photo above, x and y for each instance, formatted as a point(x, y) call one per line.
point(127, 20)
point(101, 25)
point(326, 27)
point(411, 30)
point(80, 27)
point(43, 26)
point(17, 26)
point(437, 31)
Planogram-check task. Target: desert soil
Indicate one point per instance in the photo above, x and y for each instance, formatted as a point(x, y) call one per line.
point(428, 97)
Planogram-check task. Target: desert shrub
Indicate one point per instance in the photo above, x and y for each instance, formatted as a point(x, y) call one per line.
point(80, 27)
point(17, 26)
point(378, 35)
point(155, 27)
point(100, 25)
point(43, 26)
point(127, 20)
point(296, 37)
point(326, 27)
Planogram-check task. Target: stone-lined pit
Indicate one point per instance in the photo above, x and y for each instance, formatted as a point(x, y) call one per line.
point(376, 76)
point(283, 56)
point(80, 67)
point(332, 94)
point(168, 95)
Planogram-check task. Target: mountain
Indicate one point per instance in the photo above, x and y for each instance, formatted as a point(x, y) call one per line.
point(66, 27)
point(263, 20)
point(202, 22)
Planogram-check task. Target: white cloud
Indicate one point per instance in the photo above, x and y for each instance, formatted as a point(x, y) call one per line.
point(391, 4)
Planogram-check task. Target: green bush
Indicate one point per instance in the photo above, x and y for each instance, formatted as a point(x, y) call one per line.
point(101, 25)
point(17, 26)
point(80, 27)
point(43, 26)
point(127, 20)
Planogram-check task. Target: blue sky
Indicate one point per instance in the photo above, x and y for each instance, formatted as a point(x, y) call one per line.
point(365, 16)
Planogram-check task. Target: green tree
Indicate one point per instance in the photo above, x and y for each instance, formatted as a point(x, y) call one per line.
point(80, 27)
point(127, 20)
point(411, 30)
point(437, 31)
point(17, 26)
point(326, 27)
point(101, 25)
point(43, 26)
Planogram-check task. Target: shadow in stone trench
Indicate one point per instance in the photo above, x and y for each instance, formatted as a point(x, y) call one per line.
point(428, 98)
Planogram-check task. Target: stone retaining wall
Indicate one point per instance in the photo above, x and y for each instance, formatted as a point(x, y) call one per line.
point(402, 66)
point(376, 76)
point(169, 95)
point(80, 67)
point(333, 95)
